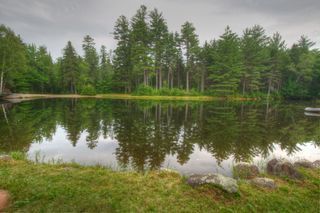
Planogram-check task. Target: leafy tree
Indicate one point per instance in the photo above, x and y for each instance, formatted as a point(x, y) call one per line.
point(300, 72)
point(12, 60)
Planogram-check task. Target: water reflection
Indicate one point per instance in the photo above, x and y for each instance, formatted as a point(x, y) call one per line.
point(148, 135)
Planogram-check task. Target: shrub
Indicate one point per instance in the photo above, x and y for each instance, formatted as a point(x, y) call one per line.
point(88, 90)
point(165, 91)
point(144, 90)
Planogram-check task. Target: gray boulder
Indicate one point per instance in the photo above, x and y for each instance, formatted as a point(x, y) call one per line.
point(226, 183)
point(282, 168)
point(316, 164)
point(264, 182)
point(245, 171)
point(5, 158)
point(304, 164)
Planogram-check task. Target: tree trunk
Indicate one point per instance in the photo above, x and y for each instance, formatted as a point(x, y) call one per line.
point(178, 78)
point(157, 79)
point(1, 82)
point(202, 80)
point(187, 81)
point(269, 89)
point(2, 75)
point(160, 79)
point(168, 78)
point(145, 78)
point(171, 80)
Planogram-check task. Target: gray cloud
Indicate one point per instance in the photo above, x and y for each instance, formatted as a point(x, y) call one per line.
point(54, 22)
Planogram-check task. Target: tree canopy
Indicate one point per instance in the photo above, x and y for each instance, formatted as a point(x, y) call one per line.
point(150, 57)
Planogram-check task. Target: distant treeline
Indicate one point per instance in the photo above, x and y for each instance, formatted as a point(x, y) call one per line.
point(148, 59)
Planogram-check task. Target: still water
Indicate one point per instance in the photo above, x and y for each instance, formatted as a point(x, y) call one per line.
point(191, 137)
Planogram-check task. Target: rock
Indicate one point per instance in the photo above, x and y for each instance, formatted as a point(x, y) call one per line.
point(264, 182)
point(4, 200)
point(245, 171)
point(316, 164)
point(303, 163)
point(282, 168)
point(226, 183)
point(271, 165)
point(5, 158)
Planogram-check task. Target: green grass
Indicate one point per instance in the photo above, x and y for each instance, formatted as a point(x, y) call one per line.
point(73, 188)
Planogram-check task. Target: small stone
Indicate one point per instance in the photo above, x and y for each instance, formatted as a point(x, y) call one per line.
point(282, 168)
point(316, 164)
point(4, 200)
point(245, 171)
point(264, 182)
point(5, 158)
point(226, 183)
point(303, 163)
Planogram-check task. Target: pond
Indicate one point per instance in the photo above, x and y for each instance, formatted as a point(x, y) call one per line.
point(191, 137)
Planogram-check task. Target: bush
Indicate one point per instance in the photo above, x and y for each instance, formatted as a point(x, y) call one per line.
point(144, 90)
point(165, 91)
point(88, 90)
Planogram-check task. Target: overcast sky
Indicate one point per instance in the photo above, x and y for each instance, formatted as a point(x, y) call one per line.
point(54, 22)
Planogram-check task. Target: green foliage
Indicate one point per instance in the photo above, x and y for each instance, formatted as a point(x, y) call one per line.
point(88, 90)
point(18, 155)
point(148, 53)
point(147, 90)
point(294, 90)
point(226, 69)
point(144, 90)
point(70, 68)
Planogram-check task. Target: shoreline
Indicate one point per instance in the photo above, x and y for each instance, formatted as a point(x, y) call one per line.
point(25, 97)
point(72, 187)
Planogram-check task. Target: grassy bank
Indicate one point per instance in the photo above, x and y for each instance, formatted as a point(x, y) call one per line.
point(73, 188)
point(21, 96)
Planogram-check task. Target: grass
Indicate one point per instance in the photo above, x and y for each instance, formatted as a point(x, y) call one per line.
point(36, 187)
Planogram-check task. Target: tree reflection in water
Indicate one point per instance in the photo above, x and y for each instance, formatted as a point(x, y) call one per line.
point(148, 131)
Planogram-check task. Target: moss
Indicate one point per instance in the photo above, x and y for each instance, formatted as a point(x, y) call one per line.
point(73, 188)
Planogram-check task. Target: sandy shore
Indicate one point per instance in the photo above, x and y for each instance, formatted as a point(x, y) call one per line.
point(17, 97)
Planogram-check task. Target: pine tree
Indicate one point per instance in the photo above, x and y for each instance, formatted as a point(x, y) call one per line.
point(191, 45)
point(159, 35)
point(91, 59)
point(253, 46)
point(122, 56)
point(226, 69)
point(171, 58)
point(140, 46)
point(70, 68)
point(276, 54)
point(105, 72)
